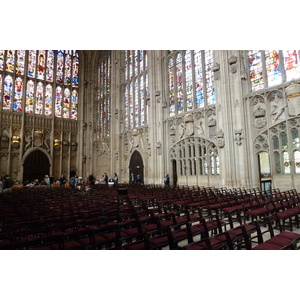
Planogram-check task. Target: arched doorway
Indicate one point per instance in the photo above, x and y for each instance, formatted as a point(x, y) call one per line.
point(36, 166)
point(264, 171)
point(136, 165)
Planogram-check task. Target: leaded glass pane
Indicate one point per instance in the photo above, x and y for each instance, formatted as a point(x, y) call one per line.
point(286, 163)
point(66, 103)
point(58, 102)
point(39, 99)
point(291, 64)
point(273, 67)
point(210, 93)
point(20, 62)
point(68, 65)
point(18, 94)
point(60, 66)
point(7, 93)
point(295, 138)
point(1, 60)
point(189, 80)
point(198, 79)
point(41, 65)
point(171, 81)
point(297, 161)
point(131, 105)
point(31, 64)
point(48, 100)
point(284, 141)
point(256, 69)
point(75, 70)
point(10, 60)
point(0, 86)
point(50, 66)
point(277, 163)
point(275, 142)
point(29, 97)
point(179, 82)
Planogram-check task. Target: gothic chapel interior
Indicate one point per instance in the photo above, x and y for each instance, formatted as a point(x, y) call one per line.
point(222, 118)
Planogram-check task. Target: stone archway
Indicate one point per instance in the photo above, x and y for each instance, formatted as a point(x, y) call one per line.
point(36, 166)
point(136, 165)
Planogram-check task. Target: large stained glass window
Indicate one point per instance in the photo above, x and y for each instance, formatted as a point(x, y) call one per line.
point(190, 80)
point(136, 93)
point(272, 67)
point(30, 80)
point(104, 104)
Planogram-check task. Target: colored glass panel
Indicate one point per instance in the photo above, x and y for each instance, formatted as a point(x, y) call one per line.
point(10, 60)
point(48, 100)
point(209, 76)
point(136, 62)
point(18, 94)
point(29, 97)
point(297, 161)
point(142, 100)
point(31, 63)
point(41, 65)
point(7, 93)
point(291, 64)
point(75, 70)
point(189, 81)
point(256, 70)
point(126, 107)
point(60, 66)
point(58, 102)
point(273, 67)
point(20, 62)
point(0, 86)
point(131, 105)
point(68, 65)
point(171, 81)
point(198, 79)
point(50, 66)
point(286, 163)
point(130, 61)
point(147, 99)
point(66, 103)
point(277, 163)
point(136, 103)
point(1, 60)
point(39, 99)
point(179, 81)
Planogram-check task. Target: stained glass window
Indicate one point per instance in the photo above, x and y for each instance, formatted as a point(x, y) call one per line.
point(31, 63)
point(190, 81)
point(18, 94)
point(179, 81)
point(273, 67)
point(10, 60)
point(34, 70)
point(136, 89)
point(7, 95)
point(1, 60)
point(270, 67)
point(39, 101)
point(29, 97)
point(104, 112)
point(20, 62)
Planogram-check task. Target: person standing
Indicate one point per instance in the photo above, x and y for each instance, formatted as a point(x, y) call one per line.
point(167, 181)
point(132, 179)
point(106, 179)
point(62, 181)
point(138, 179)
point(47, 180)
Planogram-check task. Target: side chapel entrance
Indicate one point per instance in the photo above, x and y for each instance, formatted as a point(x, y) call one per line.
point(136, 165)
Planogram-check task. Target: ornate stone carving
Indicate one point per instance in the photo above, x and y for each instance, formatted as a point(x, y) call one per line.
point(293, 99)
point(220, 139)
point(238, 136)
